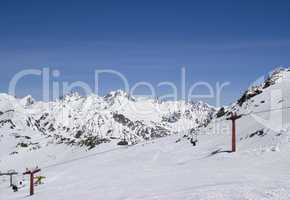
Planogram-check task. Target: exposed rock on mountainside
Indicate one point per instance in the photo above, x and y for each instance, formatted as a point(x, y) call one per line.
point(92, 120)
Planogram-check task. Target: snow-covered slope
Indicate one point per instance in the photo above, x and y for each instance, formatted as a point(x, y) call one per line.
point(164, 168)
point(161, 170)
point(264, 122)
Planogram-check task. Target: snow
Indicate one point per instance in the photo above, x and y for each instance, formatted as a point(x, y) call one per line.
point(161, 168)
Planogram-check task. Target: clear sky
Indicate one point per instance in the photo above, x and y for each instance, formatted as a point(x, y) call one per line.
point(234, 41)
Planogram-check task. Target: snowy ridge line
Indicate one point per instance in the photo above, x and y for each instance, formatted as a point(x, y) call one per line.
point(93, 120)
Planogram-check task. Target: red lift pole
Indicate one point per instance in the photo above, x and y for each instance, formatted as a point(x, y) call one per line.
point(233, 118)
point(31, 173)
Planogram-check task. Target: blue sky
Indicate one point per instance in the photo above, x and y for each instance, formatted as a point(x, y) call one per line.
point(217, 41)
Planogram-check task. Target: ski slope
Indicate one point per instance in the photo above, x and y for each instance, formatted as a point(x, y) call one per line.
point(171, 167)
point(162, 169)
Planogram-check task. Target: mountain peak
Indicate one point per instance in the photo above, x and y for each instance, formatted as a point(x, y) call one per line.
point(27, 101)
point(71, 96)
point(117, 94)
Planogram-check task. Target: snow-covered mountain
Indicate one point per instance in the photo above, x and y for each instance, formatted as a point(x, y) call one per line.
point(92, 120)
point(165, 168)
point(264, 111)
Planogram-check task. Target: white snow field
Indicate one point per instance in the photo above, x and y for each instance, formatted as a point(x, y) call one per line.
point(160, 170)
point(169, 167)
